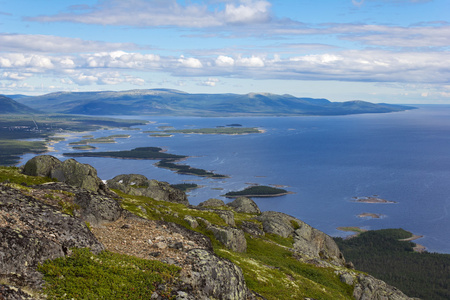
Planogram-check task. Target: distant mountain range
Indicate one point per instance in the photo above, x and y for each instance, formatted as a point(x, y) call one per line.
point(178, 103)
point(9, 106)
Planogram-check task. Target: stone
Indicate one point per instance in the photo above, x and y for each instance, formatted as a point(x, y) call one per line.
point(227, 216)
point(70, 171)
point(139, 185)
point(232, 238)
point(212, 203)
point(251, 228)
point(192, 222)
point(368, 287)
point(307, 240)
point(212, 277)
point(244, 205)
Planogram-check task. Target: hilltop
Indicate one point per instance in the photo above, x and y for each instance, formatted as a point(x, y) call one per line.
point(132, 237)
point(178, 103)
point(10, 106)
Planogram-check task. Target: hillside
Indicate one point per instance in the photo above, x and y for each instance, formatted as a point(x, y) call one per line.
point(138, 238)
point(178, 103)
point(10, 106)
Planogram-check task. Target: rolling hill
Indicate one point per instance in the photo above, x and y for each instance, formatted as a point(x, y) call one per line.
point(178, 103)
point(9, 106)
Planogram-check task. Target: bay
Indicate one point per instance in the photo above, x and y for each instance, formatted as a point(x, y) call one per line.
point(325, 161)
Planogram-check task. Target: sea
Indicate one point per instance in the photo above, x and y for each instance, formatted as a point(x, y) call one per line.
point(326, 162)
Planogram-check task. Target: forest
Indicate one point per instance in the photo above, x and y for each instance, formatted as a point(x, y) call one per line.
point(380, 253)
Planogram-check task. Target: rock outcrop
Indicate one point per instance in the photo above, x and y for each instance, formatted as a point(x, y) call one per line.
point(69, 171)
point(232, 238)
point(244, 205)
point(307, 240)
point(212, 203)
point(33, 232)
point(214, 278)
point(139, 185)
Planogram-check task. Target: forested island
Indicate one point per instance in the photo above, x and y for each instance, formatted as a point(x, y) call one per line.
point(167, 160)
point(258, 191)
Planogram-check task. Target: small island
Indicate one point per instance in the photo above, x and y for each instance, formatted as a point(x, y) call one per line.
point(101, 140)
point(372, 199)
point(258, 191)
point(186, 169)
point(371, 215)
point(84, 147)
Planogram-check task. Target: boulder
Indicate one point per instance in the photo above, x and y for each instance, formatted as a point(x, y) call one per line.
point(232, 238)
point(307, 240)
point(70, 171)
point(227, 216)
point(212, 203)
point(212, 277)
point(139, 185)
point(244, 205)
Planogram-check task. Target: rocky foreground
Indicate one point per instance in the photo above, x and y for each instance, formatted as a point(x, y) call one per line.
point(42, 222)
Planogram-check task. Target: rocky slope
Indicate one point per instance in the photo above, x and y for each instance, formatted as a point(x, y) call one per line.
point(213, 243)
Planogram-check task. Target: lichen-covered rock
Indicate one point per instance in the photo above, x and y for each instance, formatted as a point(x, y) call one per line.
point(95, 208)
point(227, 216)
point(251, 228)
point(192, 222)
point(370, 288)
point(307, 240)
point(34, 232)
point(232, 238)
point(244, 205)
point(212, 277)
point(44, 166)
point(70, 171)
point(139, 185)
point(212, 203)
point(8, 292)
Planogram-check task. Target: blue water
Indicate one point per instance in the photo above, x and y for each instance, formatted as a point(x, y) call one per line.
point(325, 161)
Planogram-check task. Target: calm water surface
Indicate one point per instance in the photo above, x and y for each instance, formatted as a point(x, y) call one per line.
point(326, 161)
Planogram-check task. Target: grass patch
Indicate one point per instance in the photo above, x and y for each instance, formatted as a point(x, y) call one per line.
point(14, 175)
point(107, 275)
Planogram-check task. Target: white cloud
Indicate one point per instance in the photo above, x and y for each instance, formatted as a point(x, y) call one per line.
point(210, 82)
point(224, 61)
point(190, 62)
point(252, 62)
point(248, 12)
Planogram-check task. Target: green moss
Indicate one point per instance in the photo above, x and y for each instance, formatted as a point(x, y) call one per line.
point(107, 275)
point(14, 175)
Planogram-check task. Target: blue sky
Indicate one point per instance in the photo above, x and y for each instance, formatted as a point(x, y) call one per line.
point(395, 51)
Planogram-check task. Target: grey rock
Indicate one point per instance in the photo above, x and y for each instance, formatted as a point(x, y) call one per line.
point(12, 293)
point(307, 240)
point(45, 233)
point(232, 238)
point(92, 207)
point(244, 205)
point(346, 278)
point(214, 278)
point(192, 222)
point(370, 288)
point(227, 216)
point(70, 171)
point(252, 228)
point(212, 203)
point(139, 185)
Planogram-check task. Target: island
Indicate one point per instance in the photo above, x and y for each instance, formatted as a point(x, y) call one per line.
point(101, 140)
point(167, 160)
point(258, 191)
point(371, 215)
point(84, 147)
point(372, 199)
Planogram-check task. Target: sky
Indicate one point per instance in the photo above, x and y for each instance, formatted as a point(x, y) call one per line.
point(393, 51)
